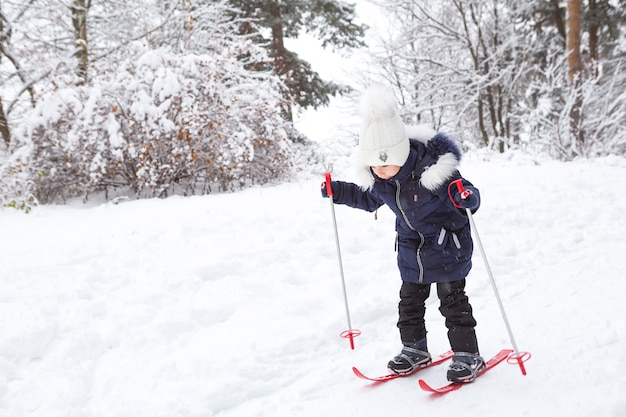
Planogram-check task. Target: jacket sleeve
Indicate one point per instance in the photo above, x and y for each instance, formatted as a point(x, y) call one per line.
point(354, 196)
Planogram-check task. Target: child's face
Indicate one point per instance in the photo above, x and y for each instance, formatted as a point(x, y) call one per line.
point(386, 171)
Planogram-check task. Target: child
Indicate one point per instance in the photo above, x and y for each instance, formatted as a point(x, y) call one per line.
point(411, 170)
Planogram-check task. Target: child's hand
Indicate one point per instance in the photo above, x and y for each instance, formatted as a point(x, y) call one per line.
point(334, 188)
point(468, 199)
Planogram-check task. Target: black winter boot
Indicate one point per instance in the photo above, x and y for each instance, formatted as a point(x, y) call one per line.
point(408, 361)
point(465, 367)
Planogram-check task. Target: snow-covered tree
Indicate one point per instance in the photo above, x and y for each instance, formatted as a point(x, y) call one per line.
point(495, 72)
point(576, 104)
point(154, 115)
point(457, 65)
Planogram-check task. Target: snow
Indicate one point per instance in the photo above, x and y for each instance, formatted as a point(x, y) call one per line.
point(231, 304)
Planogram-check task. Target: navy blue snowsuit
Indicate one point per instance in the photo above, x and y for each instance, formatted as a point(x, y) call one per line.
point(433, 243)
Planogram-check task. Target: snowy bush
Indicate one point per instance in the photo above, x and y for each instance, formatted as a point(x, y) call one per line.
point(162, 124)
point(549, 102)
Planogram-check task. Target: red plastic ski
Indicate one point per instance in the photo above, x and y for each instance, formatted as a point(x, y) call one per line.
point(436, 361)
point(453, 386)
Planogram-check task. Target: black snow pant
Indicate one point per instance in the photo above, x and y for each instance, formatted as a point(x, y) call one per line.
point(454, 306)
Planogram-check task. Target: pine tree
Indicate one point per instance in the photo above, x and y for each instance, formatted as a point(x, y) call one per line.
point(269, 22)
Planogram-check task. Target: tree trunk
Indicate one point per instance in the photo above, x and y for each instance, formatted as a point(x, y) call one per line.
point(594, 23)
point(4, 126)
point(278, 53)
point(481, 121)
point(79, 21)
point(574, 66)
point(558, 18)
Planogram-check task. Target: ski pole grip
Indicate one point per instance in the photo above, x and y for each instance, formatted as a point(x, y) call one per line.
point(329, 189)
point(459, 185)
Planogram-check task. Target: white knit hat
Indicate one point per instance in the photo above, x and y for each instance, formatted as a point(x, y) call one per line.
point(383, 139)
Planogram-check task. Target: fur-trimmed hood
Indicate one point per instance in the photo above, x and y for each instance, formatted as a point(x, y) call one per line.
point(441, 158)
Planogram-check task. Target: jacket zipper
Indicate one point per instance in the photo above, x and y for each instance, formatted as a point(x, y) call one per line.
point(419, 247)
point(406, 219)
point(419, 259)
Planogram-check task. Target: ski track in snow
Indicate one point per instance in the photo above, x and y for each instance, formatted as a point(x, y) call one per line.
point(231, 304)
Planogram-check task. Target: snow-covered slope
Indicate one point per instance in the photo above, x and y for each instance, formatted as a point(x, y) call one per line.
point(231, 305)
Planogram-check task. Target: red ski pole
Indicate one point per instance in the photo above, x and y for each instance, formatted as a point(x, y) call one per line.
point(350, 333)
point(518, 357)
